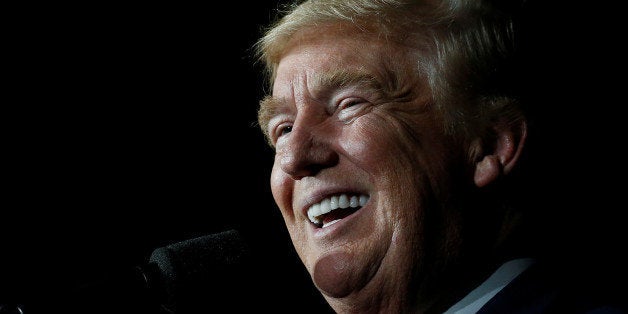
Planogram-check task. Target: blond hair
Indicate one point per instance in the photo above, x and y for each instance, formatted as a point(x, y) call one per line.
point(465, 50)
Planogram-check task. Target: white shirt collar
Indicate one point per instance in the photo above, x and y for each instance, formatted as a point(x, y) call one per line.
point(490, 287)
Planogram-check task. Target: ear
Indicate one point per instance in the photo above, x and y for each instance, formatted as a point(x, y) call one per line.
point(498, 155)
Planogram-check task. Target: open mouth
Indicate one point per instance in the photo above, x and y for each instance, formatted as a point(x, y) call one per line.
point(334, 208)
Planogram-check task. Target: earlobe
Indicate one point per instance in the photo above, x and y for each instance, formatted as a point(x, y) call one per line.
point(501, 157)
point(487, 170)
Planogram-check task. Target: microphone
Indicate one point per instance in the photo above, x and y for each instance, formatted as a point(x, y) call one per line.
point(192, 276)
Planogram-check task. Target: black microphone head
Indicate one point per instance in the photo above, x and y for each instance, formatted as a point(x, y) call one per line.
point(200, 273)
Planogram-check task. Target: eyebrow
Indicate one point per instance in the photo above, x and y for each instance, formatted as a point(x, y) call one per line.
point(270, 106)
point(342, 78)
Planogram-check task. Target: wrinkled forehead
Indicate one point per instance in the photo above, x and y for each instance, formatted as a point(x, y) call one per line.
point(362, 38)
point(341, 53)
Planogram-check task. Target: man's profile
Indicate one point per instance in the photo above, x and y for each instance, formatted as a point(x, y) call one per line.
point(401, 139)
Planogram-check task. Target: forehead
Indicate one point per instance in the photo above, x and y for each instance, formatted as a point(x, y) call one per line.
point(312, 54)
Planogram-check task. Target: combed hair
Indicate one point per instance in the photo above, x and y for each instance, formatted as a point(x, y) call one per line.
point(465, 50)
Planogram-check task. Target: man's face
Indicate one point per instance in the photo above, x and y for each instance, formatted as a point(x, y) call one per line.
point(362, 167)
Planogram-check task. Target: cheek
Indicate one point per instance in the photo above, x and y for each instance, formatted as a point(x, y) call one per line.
point(373, 145)
point(407, 162)
point(281, 189)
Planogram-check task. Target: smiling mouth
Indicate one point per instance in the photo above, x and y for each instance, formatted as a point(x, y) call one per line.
point(334, 208)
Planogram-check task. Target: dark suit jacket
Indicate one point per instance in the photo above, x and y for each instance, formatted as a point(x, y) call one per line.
point(543, 288)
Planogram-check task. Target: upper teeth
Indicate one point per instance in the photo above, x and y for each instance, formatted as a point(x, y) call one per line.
point(333, 202)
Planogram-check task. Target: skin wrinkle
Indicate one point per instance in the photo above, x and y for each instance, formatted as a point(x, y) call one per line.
point(407, 125)
point(390, 78)
point(271, 107)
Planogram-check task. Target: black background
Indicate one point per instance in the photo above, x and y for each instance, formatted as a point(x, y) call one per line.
point(129, 127)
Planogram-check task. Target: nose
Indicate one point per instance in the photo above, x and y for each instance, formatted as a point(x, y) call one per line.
point(306, 152)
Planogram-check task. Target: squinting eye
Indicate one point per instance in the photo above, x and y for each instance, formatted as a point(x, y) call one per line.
point(351, 108)
point(283, 130)
point(277, 129)
point(350, 104)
